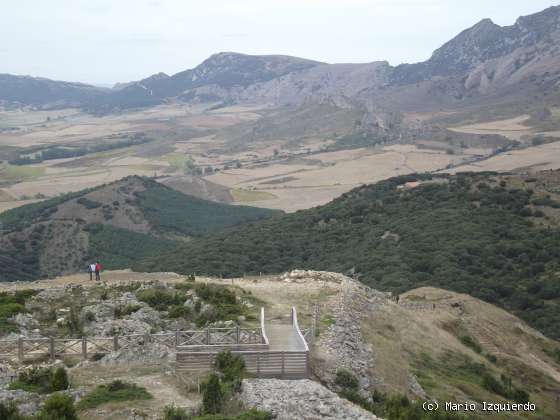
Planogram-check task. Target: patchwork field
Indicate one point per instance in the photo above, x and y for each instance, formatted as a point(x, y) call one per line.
point(247, 155)
point(546, 156)
point(307, 182)
point(513, 128)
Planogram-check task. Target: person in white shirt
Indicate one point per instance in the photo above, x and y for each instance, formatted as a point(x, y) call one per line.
point(91, 269)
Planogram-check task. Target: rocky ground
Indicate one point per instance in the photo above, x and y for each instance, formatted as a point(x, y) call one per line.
point(299, 399)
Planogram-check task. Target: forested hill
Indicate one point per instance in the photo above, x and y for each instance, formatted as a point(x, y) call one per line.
point(117, 223)
point(493, 236)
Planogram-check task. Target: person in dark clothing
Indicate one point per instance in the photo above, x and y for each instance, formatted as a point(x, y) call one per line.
point(98, 269)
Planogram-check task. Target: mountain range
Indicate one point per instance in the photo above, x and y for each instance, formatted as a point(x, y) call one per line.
point(485, 64)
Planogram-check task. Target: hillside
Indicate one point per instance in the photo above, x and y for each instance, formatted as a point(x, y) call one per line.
point(433, 344)
point(35, 91)
point(117, 223)
point(493, 236)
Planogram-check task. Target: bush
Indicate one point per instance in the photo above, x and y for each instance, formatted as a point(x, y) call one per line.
point(59, 380)
point(246, 415)
point(160, 299)
point(346, 379)
point(468, 341)
point(179, 311)
point(87, 203)
point(504, 388)
point(127, 310)
point(231, 366)
point(175, 413)
point(212, 396)
point(40, 380)
point(10, 412)
point(115, 391)
point(58, 407)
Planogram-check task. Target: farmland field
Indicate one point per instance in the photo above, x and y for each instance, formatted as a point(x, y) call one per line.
point(271, 167)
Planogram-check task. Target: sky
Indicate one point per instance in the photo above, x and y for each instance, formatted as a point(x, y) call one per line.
point(108, 41)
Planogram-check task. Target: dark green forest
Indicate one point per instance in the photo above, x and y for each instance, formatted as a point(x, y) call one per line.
point(170, 211)
point(27, 231)
point(464, 233)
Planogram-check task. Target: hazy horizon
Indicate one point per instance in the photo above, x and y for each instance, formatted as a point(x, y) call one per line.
point(109, 42)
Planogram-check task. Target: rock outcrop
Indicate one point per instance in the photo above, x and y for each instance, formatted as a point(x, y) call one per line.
point(341, 345)
point(299, 399)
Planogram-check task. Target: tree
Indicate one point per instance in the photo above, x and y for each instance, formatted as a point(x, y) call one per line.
point(212, 396)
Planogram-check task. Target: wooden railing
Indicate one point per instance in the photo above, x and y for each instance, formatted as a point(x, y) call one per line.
point(24, 348)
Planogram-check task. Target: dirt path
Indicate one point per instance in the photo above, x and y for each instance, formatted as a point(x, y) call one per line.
point(108, 277)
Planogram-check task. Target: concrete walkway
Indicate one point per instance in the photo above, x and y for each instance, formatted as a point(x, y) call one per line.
point(283, 337)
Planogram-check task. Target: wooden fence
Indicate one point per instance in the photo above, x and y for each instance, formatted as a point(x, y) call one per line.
point(24, 349)
point(263, 363)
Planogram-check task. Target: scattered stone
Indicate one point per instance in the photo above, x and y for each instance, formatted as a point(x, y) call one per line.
point(299, 399)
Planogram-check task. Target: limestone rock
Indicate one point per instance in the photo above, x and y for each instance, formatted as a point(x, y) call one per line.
point(299, 399)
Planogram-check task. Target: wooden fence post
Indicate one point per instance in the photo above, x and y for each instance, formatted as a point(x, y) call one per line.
point(258, 364)
point(20, 349)
point(283, 363)
point(115, 343)
point(51, 349)
point(208, 336)
point(84, 348)
point(237, 335)
point(176, 338)
point(307, 367)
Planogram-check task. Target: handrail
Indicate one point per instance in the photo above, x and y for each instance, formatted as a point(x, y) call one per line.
point(263, 331)
point(296, 326)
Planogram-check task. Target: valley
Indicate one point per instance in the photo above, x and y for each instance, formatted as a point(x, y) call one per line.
point(280, 237)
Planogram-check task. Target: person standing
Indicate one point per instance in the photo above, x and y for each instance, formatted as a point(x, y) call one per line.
point(91, 269)
point(98, 269)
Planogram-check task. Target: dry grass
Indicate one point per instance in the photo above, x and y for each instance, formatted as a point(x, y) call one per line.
point(158, 380)
point(546, 156)
point(513, 128)
point(248, 196)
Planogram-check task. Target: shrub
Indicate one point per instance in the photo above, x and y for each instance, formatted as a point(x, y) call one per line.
point(89, 316)
point(59, 380)
point(232, 366)
point(115, 391)
point(179, 311)
point(468, 341)
point(246, 415)
point(10, 412)
point(87, 203)
point(58, 407)
point(160, 299)
point(34, 380)
point(346, 379)
point(127, 310)
point(175, 413)
point(212, 396)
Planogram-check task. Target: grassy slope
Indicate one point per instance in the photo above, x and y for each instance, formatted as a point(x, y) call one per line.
point(28, 233)
point(467, 234)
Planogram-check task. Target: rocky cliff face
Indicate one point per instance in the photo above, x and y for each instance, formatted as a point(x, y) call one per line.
point(483, 42)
